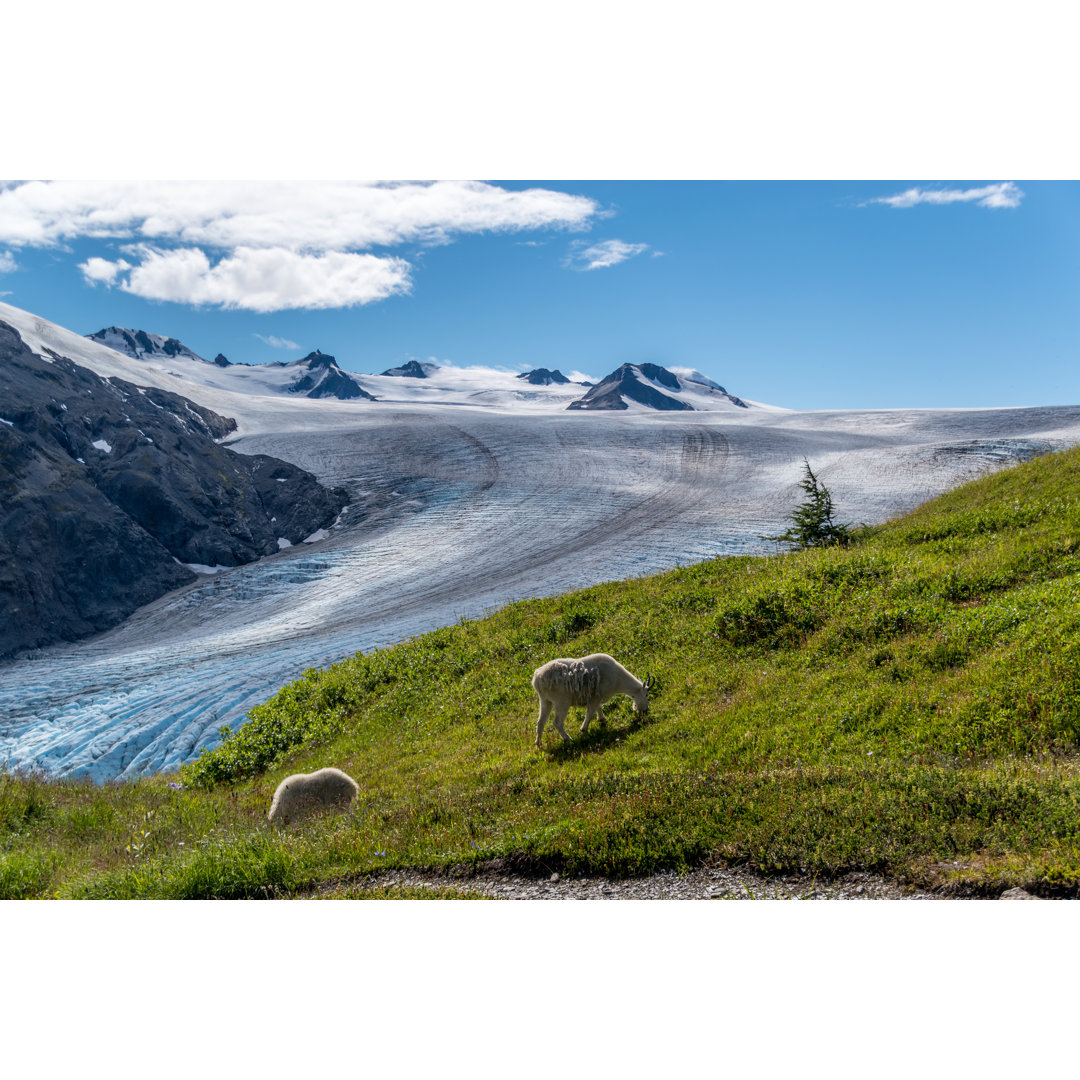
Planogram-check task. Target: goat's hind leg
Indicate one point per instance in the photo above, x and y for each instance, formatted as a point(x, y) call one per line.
point(545, 712)
point(590, 712)
point(557, 720)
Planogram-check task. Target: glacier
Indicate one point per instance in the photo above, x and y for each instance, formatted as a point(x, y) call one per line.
point(461, 499)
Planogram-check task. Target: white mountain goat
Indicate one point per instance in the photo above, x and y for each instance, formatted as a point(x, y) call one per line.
point(302, 794)
point(589, 682)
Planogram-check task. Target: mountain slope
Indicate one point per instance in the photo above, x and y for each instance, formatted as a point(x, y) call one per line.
point(108, 488)
point(909, 705)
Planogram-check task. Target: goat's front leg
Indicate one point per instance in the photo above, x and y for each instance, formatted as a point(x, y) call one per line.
point(545, 711)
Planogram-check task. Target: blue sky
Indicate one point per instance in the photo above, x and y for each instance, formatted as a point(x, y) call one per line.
point(811, 295)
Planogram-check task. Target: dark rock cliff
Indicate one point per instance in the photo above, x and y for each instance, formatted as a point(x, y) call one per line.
point(107, 487)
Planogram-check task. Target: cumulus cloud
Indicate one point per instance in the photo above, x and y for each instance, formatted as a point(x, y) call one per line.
point(1005, 195)
point(277, 342)
point(100, 271)
point(7, 262)
point(273, 245)
point(260, 279)
point(296, 215)
point(606, 253)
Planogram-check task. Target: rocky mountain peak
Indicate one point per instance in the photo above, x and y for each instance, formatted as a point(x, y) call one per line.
point(543, 377)
point(635, 382)
point(414, 369)
point(140, 345)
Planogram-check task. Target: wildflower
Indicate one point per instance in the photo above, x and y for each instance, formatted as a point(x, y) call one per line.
point(179, 787)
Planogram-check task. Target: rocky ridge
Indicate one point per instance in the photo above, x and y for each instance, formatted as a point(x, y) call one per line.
point(109, 489)
point(317, 374)
point(652, 386)
point(140, 345)
point(544, 377)
point(412, 370)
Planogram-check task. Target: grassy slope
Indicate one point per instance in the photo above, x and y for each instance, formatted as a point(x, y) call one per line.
point(909, 704)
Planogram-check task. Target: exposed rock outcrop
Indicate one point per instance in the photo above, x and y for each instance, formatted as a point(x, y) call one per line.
point(543, 376)
point(654, 387)
point(412, 370)
point(140, 345)
point(323, 378)
point(107, 487)
point(633, 382)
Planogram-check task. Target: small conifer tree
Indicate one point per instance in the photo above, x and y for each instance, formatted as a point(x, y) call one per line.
point(812, 523)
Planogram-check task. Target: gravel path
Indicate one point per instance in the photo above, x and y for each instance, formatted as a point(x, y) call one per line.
point(706, 883)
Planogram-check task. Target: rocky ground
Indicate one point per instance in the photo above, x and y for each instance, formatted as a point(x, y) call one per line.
point(705, 883)
point(496, 881)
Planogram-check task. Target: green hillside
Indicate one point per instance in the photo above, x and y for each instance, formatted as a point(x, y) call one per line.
point(909, 704)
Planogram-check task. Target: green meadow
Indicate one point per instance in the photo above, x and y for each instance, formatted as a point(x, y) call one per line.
point(908, 703)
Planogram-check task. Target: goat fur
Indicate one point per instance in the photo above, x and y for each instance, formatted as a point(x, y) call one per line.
point(303, 794)
point(585, 682)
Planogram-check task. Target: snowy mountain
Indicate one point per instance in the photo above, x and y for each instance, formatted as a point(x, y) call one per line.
point(317, 375)
point(650, 386)
point(241, 390)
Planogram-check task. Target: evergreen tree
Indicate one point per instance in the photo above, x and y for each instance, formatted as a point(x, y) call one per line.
point(812, 523)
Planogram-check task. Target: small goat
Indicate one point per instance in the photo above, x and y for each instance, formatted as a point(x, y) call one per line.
point(302, 794)
point(589, 682)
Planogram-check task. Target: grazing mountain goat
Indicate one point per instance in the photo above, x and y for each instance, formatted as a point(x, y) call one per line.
point(302, 794)
point(587, 682)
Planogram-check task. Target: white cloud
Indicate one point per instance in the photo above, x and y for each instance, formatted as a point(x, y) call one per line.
point(277, 342)
point(296, 215)
point(606, 253)
point(7, 262)
point(994, 196)
point(261, 279)
point(276, 244)
point(96, 270)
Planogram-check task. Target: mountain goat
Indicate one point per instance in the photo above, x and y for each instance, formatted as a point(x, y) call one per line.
point(302, 794)
point(589, 682)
